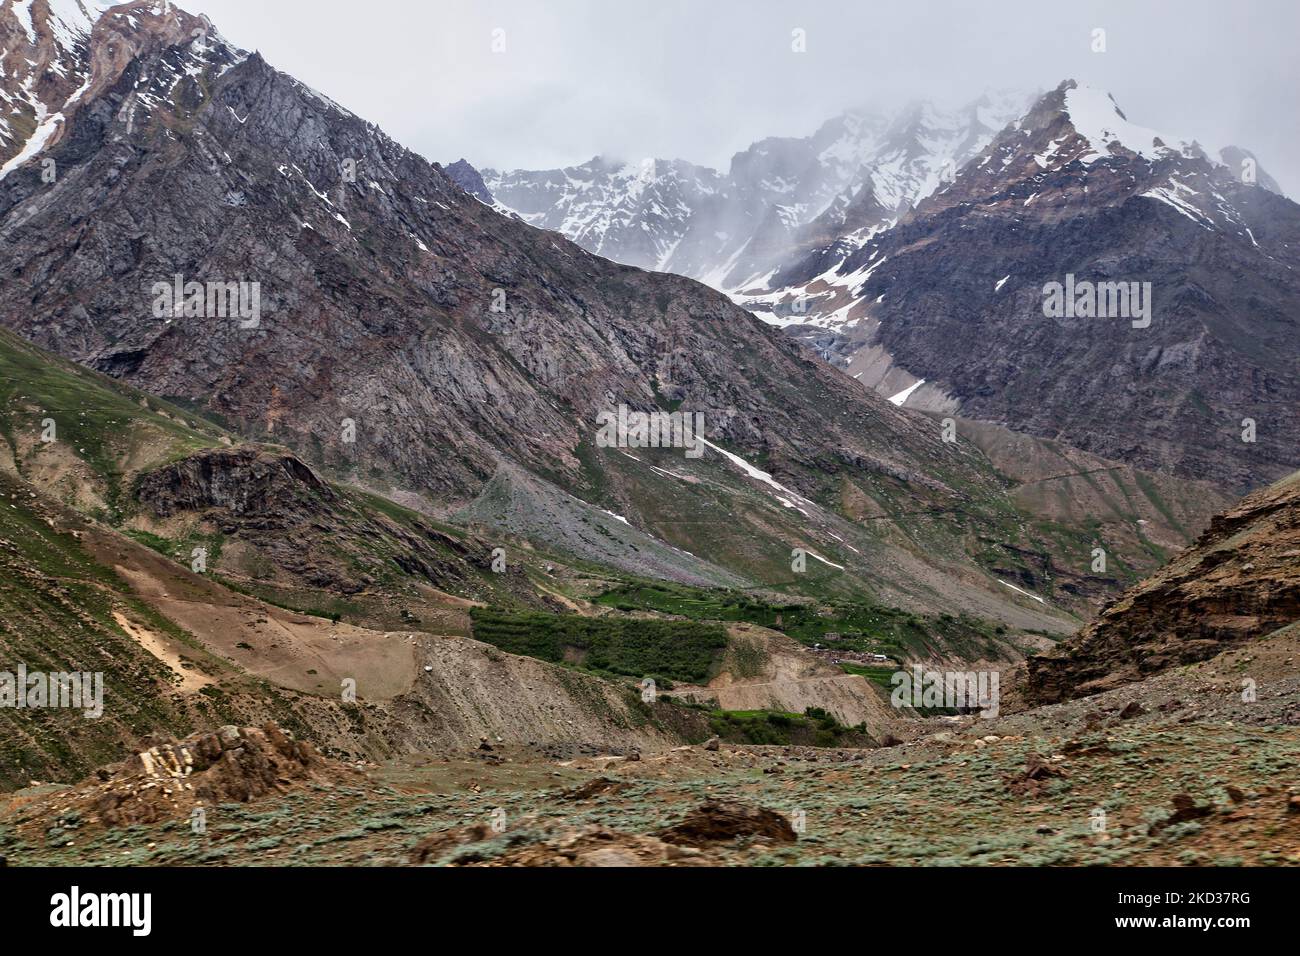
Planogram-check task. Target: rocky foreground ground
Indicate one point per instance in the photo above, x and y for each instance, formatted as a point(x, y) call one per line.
point(1179, 771)
point(1196, 765)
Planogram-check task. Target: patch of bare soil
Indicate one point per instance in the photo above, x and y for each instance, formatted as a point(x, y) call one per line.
point(1237, 830)
point(298, 651)
point(1038, 772)
point(717, 820)
point(776, 672)
point(711, 834)
point(190, 679)
point(591, 846)
point(597, 787)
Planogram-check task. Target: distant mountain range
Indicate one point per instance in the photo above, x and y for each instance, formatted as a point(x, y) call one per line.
point(780, 196)
point(410, 339)
point(947, 311)
point(912, 251)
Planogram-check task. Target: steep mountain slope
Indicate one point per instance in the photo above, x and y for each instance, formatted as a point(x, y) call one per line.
point(397, 319)
point(176, 482)
point(376, 295)
point(1239, 583)
point(301, 585)
point(780, 196)
point(954, 299)
point(1139, 518)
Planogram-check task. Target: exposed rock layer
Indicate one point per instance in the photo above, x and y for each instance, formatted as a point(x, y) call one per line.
point(1239, 582)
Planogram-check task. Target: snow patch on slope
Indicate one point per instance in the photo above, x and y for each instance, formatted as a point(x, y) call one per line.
point(1021, 591)
point(906, 393)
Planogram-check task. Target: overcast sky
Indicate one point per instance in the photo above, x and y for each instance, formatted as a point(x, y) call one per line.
point(702, 79)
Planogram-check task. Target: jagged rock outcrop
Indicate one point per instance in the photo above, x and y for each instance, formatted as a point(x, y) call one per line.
point(716, 820)
point(169, 778)
point(1240, 581)
point(245, 482)
point(304, 527)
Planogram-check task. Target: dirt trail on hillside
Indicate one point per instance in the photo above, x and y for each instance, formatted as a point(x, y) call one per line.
point(190, 679)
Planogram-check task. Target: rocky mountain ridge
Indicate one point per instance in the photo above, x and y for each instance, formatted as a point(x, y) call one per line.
point(1238, 584)
point(397, 318)
point(947, 310)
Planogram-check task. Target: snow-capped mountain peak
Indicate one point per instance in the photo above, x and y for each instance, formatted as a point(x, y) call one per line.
point(59, 53)
point(1074, 164)
point(779, 197)
point(1096, 117)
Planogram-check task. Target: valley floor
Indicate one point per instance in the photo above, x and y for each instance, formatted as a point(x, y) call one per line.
point(1176, 771)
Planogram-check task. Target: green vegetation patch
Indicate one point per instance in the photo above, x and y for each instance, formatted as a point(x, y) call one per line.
point(100, 420)
point(683, 651)
point(815, 727)
point(851, 625)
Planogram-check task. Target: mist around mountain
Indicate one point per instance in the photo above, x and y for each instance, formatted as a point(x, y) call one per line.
point(878, 239)
point(780, 196)
point(1178, 263)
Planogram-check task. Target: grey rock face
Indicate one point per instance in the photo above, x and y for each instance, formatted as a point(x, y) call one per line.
point(446, 337)
point(467, 178)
